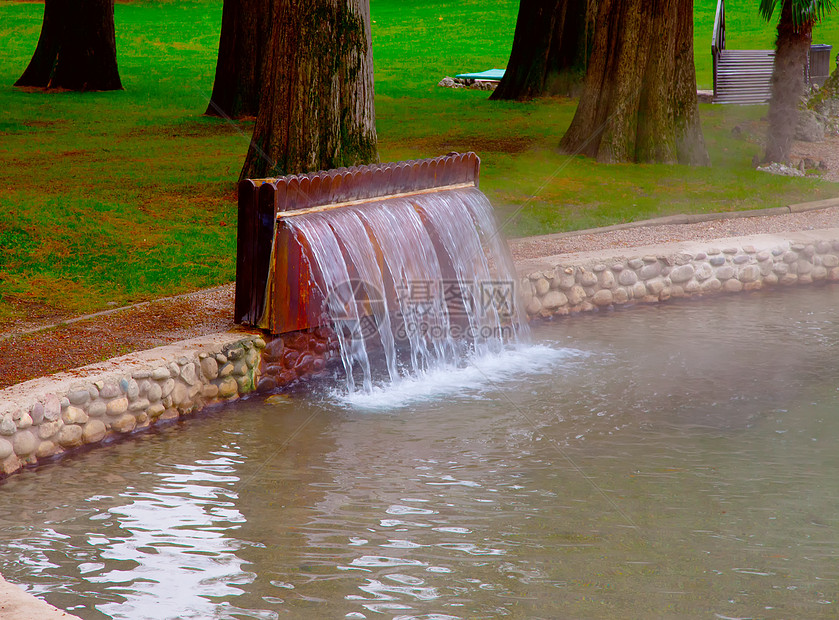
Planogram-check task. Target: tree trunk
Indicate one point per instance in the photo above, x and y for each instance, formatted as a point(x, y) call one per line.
point(76, 49)
point(791, 48)
point(245, 33)
point(639, 96)
point(690, 143)
point(40, 67)
point(549, 52)
point(316, 110)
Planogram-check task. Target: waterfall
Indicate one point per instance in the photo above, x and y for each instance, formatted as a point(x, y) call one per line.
point(423, 281)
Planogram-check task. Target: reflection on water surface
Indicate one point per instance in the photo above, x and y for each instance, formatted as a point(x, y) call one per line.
point(672, 461)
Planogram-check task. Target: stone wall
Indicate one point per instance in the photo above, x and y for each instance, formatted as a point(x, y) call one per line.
point(49, 416)
point(293, 356)
point(579, 283)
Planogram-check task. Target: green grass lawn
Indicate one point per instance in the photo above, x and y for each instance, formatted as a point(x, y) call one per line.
point(123, 196)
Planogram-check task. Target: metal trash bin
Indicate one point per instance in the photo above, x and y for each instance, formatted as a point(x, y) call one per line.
point(819, 63)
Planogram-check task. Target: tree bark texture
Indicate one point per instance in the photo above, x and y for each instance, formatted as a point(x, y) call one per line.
point(243, 44)
point(639, 96)
point(549, 50)
point(76, 49)
point(316, 110)
point(791, 48)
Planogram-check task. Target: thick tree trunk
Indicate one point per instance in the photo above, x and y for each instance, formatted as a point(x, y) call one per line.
point(40, 67)
point(788, 85)
point(639, 96)
point(316, 110)
point(245, 33)
point(690, 143)
point(76, 49)
point(549, 50)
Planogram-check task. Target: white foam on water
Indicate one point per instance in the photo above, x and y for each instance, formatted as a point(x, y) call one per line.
point(476, 379)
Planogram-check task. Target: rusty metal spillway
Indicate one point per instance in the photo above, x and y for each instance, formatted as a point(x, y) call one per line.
point(402, 261)
point(276, 288)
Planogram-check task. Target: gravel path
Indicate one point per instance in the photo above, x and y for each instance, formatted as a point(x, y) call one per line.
point(564, 243)
point(47, 349)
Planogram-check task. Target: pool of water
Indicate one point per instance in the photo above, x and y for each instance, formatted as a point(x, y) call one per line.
point(670, 461)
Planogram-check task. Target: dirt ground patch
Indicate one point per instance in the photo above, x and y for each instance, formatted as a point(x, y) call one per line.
point(100, 337)
point(479, 144)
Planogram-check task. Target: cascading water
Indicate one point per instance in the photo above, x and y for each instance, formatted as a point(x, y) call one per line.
point(425, 279)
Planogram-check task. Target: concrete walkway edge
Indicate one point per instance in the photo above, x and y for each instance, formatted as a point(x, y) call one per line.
point(17, 604)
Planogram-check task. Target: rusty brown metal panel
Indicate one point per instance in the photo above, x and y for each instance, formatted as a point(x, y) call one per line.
point(286, 262)
point(245, 258)
point(314, 190)
point(304, 199)
point(297, 303)
point(295, 299)
point(266, 217)
point(292, 200)
point(473, 167)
